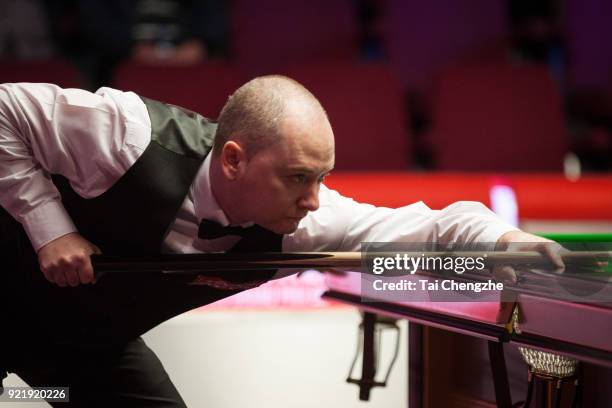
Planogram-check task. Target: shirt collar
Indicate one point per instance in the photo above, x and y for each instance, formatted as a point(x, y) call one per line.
point(204, 203)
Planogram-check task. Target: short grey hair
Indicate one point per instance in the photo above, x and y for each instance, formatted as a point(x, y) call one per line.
point(254, 112)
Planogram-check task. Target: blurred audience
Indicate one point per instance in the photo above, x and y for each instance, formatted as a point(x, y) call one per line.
point(178, 32)
point(99, 34)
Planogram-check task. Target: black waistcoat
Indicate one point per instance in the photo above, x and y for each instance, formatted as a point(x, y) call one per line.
point(132, 217)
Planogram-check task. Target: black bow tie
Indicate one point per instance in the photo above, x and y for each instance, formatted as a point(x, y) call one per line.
point(212, 230)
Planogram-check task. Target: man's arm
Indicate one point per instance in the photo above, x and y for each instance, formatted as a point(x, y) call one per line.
point(86, 137)
point(342, 224)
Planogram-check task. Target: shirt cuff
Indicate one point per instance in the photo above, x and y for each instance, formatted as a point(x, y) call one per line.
point(493, 232)
point(46, 223)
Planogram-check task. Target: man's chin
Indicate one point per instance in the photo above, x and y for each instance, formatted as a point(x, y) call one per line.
point(284, 228)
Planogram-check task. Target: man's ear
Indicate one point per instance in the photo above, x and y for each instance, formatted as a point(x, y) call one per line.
point(233, 160)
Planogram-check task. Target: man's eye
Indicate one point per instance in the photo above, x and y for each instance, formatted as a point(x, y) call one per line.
point(323, 177)
point(299, 178)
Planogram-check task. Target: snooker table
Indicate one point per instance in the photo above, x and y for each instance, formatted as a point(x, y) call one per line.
point(577, 330)
point(465, 354)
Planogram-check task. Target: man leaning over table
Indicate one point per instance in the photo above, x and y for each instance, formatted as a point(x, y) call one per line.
point(115, 173)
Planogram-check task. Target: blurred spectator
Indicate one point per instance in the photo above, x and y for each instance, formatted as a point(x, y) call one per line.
point(371, 29)
point(535, 35)
point(99, 34)
point(534, 28)
point(178, 32)
point(24, 30)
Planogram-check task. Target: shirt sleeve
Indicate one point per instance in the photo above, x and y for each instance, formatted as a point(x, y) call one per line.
point(89, 138)
point(342, 224)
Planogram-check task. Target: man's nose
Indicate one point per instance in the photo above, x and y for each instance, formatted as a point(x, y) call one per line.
point(310, 200)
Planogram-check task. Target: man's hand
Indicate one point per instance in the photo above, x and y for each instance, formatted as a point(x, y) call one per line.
point(522, 241)
point(66, 260)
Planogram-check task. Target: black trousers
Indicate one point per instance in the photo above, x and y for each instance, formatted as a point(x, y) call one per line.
point(130, 375)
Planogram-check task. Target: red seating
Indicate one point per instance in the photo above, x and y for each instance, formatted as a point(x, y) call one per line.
point(267, 34)
point(47, 71)
point(365, 107)
point(203, 88)
point(497, 117)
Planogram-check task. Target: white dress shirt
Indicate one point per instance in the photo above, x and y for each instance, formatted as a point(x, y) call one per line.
point(92, 139)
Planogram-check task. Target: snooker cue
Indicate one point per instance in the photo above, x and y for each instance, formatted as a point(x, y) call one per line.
point(219, 262)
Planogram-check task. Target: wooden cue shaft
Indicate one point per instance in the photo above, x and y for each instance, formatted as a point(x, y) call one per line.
point(200, 263)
